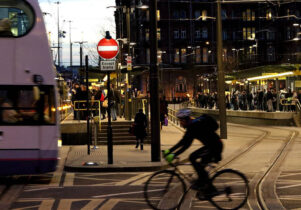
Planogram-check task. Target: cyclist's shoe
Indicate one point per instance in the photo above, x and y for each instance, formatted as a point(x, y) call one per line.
point(210, 192)
point(205, 191)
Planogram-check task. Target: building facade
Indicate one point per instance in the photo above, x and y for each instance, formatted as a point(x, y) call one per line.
point(254, 34)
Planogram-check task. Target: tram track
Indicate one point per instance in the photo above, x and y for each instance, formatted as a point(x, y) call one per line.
point(262, 187)
point(10, 191)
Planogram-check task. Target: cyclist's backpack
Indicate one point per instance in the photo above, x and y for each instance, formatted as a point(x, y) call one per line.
point(209, 122)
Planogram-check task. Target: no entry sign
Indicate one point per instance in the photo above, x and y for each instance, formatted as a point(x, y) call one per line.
point(107, 48)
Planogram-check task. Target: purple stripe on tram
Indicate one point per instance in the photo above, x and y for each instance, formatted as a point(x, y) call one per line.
point(27, 154)
point(34, 161)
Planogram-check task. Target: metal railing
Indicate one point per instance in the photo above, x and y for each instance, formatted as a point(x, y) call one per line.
point(82, 106)
point(172, 116)
point(287, 103)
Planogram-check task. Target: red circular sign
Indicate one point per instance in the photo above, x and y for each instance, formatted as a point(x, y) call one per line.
point(107, 48)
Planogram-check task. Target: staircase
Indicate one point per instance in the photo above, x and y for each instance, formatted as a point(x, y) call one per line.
point(121, 135)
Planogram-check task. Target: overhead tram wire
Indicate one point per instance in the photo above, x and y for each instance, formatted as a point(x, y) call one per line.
point(241, 1)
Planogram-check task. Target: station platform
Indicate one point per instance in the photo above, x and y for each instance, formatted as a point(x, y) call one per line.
point(254, 117)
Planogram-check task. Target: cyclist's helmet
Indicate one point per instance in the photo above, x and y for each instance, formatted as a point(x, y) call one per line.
point(183, 113)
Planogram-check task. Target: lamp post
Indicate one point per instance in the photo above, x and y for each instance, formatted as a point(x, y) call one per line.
point(128, 96)
point(154, 85)
point(58, 34)
point(221, 77)
point(70, 43)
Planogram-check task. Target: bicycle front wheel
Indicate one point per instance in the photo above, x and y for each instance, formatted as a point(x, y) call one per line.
point(232, 189)
point(164, 190)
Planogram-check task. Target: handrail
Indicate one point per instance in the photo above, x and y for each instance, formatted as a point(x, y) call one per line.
point(91, 108)
point(172, 116)
point(298, 106)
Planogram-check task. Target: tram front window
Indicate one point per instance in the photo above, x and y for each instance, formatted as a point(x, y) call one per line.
point(16, 18)
point(27, 105)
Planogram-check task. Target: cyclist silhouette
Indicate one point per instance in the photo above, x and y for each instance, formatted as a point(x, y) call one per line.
point(202, 128)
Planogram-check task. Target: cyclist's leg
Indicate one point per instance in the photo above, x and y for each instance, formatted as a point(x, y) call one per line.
point(203, 154)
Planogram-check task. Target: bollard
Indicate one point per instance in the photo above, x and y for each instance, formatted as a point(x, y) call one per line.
point(96, 124)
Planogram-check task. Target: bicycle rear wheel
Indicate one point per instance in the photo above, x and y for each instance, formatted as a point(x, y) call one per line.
point(232, 187)
point(164, 190)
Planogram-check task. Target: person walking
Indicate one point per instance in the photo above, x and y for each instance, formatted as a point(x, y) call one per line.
point(112, 105)
point(163, 110)
point(140, 128)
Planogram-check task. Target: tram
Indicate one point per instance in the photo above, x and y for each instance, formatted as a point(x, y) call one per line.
point(29, 127)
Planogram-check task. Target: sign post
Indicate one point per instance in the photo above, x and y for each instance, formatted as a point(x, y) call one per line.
point(107, 49)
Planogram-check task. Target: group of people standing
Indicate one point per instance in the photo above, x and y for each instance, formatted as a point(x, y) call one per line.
point(261, 100)
point(79, 97)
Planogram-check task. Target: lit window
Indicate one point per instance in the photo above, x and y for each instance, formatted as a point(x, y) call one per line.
point(159, 56)
point(158, 15)
point(253, 16)
point(244, 32)
point(146, 34)
point(177, 56)
point(253, 33)
point(181, 85)
point(158, 33)
point(183, 55)
point(204, 15)
point(205, 55)
point(27, 105)
point(248, 15)
point(269, 14)
point(198, 55)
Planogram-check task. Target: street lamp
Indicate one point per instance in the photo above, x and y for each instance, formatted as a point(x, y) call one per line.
point(128, 8)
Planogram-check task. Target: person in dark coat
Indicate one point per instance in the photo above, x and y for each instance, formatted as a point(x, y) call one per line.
point(140, 128)
point(163, 110)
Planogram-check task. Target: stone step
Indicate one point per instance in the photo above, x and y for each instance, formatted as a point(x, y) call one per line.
point(126, 142)
point(104, 127)
point(117, 123)
point(121, 138)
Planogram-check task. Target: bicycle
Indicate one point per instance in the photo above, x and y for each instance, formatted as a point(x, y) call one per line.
point(167, 189)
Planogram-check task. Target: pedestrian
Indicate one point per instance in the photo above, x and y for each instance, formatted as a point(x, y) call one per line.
point(140, 128)
point(269, 101)
point(112, 105)
point(99, 96)
point(163, 110)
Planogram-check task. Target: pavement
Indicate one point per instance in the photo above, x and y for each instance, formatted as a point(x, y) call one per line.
point(125, 157)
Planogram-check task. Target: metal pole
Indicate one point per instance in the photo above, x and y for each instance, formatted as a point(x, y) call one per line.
point(278, 94)
point(81, 54)
point(154, 85)
point(58, 34)
point(110, 138)
point(127, 96)
point(88, 105)
point(221, 78)
point(70, 43)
